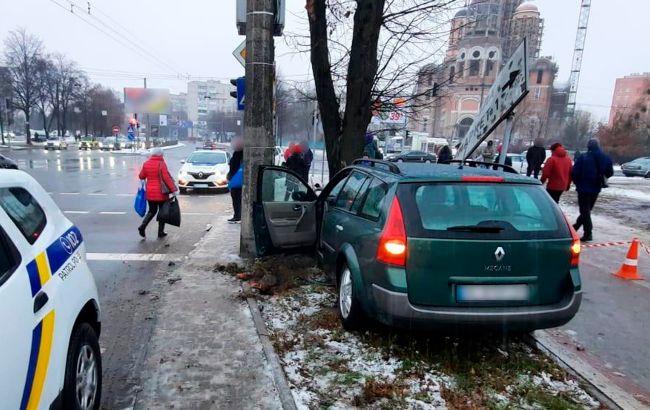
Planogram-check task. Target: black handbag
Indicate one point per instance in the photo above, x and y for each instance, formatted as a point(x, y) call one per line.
point(170, 212)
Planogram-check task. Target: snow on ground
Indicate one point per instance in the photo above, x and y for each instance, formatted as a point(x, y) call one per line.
point(328, 367)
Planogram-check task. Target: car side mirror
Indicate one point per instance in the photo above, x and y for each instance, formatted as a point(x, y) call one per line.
point(299, 196)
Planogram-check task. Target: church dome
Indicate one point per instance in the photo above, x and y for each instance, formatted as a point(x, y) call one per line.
point(526, 9)
point(461, 13)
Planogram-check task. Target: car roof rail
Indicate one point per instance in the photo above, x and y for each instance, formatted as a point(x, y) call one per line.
point(373, 163)
point(472, 163)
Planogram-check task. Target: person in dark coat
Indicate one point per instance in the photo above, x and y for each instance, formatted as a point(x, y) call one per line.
point(535, 158)
point(234, 165)
point(557, 171)
point(155, 172)
point(589, 175)
point(296, 162)
point(308, 158)
point(444, 155)
point(370, 147)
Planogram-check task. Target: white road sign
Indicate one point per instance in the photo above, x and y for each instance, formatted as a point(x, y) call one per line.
point(240, 53)
point(509, 89)
point(163, 120)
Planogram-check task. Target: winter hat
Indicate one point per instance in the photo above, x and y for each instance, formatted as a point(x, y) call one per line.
point(555, 146)
point(593, 144)
point(156, 152)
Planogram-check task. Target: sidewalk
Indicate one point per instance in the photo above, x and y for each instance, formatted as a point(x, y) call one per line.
point(205, 351)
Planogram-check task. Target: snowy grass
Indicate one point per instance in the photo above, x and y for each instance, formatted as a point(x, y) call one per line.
point(328, 367)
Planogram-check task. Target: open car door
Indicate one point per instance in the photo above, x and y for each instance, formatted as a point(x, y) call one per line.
point(284, 211)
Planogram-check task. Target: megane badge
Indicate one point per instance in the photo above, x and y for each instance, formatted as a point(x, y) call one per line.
point(499, 253)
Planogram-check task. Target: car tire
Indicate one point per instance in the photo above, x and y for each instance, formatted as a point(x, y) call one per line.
point(428, 161)
point(83, 366)
point(400, 160)
point(347, 304)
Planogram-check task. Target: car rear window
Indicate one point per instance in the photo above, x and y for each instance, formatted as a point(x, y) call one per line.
point(480, 210)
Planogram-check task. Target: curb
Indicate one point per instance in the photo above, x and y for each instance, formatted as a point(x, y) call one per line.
point(596, 383)
point(279, 378)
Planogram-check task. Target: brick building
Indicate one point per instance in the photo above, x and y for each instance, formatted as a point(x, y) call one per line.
point(631, 95)
point(482, 38)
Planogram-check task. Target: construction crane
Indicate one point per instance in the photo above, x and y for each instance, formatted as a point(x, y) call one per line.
point(581, 35)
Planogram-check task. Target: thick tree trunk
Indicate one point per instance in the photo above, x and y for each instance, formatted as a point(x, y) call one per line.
point(361, 77)
point(328, 102)
point(28, 134)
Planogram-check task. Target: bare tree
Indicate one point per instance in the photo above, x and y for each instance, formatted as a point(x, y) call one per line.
point(64, 86)
point(23, 51)
point(44, 74)
point(366, 73)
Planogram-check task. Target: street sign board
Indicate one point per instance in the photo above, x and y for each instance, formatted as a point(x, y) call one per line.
point(509, 89)
point(163, 120)
point(241, 93)
point(116, 130)
point(240, 53)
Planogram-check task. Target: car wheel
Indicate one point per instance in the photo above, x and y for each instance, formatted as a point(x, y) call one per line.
point(400, 160)
point(647, 175)
point(183, 190)
point(348, 306)
point(428, 161)
point(82, 388)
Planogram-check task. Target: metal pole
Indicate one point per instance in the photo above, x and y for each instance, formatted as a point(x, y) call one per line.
point(259, 141)
point(506, 139)
point(148, 133)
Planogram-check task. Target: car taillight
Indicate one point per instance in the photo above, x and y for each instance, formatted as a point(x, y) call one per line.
point(576, 246)
point(482, 178)
point(392, 244)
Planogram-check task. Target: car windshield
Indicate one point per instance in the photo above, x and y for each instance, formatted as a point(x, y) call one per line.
point(207, 158)
point(507, 211)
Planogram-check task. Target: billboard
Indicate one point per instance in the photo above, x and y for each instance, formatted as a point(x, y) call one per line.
point(147, 100)
point(391, 113)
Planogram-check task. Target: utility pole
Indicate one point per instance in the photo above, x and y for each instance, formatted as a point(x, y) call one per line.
point(147, 134)
point(259, 141)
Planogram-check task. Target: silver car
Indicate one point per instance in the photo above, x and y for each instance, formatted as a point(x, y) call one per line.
point(640, 167)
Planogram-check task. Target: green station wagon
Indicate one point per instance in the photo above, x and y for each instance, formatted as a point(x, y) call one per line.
point(425, 246)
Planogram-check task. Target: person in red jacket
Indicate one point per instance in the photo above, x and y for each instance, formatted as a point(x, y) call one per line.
point(155, 171)
point(557, 171)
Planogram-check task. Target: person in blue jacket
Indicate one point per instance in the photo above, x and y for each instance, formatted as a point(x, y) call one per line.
point(589, 174)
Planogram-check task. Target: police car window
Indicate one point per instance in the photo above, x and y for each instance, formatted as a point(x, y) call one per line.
point(24, 211)
point(9, 258)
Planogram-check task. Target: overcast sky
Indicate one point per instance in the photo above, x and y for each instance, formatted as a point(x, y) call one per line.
point(197, 37)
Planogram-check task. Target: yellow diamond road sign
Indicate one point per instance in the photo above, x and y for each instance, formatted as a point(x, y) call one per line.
point(240, 53)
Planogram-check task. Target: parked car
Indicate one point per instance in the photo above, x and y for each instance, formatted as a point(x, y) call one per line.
point(414, 156)
point(519, 163)
point(49, 306)
point(204, 169)
point(278, 157)
point(7, 163)
point(209, 145)
point(640, 167)
point(88, 144)
point(36, 137)
point(55, 144)
point(416, 245)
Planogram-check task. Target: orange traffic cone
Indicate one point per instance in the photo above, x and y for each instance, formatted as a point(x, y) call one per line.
point(629, 269)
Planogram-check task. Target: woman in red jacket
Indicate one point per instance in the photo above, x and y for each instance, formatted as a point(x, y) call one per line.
point(557, 171)
point(155, 171)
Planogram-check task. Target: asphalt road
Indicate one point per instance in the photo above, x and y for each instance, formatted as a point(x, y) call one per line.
point(96, 191)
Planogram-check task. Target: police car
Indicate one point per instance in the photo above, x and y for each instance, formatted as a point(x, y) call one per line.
point(49, 308)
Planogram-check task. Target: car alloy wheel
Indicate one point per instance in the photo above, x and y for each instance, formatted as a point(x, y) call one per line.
point(86, 378)
point(345, 293)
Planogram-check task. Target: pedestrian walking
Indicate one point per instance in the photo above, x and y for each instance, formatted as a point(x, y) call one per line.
point(370, 147)
point(159, 185)
point(535, 158)
point(308, 158)
point(489, 152)
point(557, 171)
point(289, 151)
point(444, 155)
point(590, 174)
point(576, 155)
point(235, 166)
point(296, 162)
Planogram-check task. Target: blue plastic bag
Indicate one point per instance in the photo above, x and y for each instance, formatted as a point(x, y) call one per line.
point(237, 180)
point(140, 204)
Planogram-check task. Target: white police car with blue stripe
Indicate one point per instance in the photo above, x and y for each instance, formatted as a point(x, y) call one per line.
point(49, 307)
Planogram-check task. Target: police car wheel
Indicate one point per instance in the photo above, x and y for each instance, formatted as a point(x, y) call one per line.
point(83, 374)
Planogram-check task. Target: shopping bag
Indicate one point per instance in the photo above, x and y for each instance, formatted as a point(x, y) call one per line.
point(237, 180)
point(140, 204)
point(170, 212)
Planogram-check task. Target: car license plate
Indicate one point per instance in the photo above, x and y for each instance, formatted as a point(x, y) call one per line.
point(491, 293)
point(200, 185)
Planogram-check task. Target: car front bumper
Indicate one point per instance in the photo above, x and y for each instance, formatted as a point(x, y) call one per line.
point(210, 183)
point(634, 172)
point(394, 308)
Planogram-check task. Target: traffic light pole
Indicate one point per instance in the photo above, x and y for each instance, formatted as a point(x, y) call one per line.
point(259, 141)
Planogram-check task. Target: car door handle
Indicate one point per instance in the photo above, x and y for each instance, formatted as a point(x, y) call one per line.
point(339, 228)
point(297, 208)
point(40, 300)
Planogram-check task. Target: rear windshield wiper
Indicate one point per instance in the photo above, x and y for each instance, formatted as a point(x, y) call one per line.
point(476, 228)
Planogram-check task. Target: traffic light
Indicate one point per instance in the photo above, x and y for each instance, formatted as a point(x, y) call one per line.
point(233, 94)
point(240, 93)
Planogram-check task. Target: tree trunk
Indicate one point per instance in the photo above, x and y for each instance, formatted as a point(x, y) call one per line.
point(28, 134)
point(46, 126)
point(361, 77)
point(328, 103)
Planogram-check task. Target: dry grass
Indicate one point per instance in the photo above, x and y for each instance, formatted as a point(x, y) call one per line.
point(374, 390)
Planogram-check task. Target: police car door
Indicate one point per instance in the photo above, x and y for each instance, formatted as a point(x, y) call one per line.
point(26, 318)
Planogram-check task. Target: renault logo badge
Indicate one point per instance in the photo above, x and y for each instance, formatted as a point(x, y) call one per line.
point(499, 253)
point(200, 174)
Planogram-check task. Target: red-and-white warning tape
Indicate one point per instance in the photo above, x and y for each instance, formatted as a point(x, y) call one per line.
point(610, 244)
